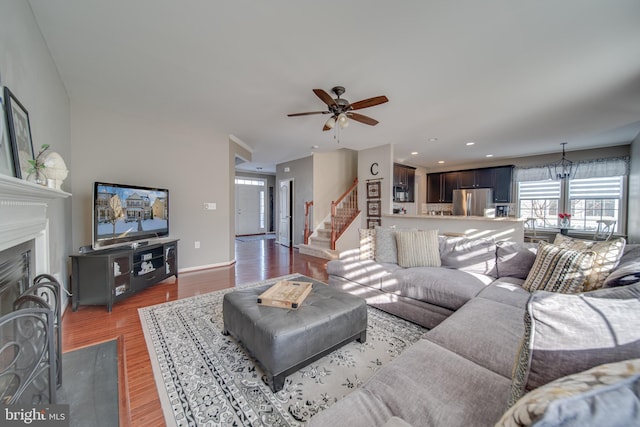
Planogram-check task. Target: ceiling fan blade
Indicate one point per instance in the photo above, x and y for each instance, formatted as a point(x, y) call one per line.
point(308, 114)
point(325, 97)
point(362, 119)
point(370, 102)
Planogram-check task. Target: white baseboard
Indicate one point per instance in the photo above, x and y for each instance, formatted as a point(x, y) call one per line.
point(207, 266)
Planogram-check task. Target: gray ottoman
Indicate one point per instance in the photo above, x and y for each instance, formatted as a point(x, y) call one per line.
point(282, 340)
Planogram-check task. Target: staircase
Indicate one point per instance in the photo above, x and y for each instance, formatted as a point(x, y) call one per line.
point(322, 243)
point(319, 244)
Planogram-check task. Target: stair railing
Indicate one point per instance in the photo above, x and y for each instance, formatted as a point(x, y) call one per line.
point(343, 212)
point(307, 230)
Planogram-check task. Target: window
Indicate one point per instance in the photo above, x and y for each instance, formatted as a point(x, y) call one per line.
point(246, 181)
point(540, 200)
point(594, 199)
point(587, 200)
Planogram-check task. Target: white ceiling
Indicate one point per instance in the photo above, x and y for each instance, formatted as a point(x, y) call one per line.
point(516, 77)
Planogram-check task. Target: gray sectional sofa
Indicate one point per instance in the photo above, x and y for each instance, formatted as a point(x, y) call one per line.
point(491, 342)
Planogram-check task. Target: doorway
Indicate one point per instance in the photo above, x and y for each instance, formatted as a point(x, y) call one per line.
point(251, 203)
point(285, 229)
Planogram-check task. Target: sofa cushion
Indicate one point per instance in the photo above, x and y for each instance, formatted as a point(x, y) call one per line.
point(426, 385)
point(366, 272)
point(533, 405)
point(628, 270)
point(418, 248)
point(515, 259)
point(565, 334)
point(445, 287)
point(607, 257)
point(558, 270)
point(367, 243)
point(386, 248)
point(507, 290)
point(470, 255)
point(483, 331)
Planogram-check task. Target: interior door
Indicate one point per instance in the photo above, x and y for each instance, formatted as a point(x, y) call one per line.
point(285, 212)
point(248, 209)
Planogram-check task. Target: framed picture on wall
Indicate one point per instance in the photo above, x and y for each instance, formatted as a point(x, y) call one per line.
point(373, 208)
point(372, 222)
point(19, 133)
point(7, 158)
point(373, 190)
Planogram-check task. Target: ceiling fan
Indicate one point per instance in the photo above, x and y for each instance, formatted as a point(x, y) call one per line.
point(341, 110)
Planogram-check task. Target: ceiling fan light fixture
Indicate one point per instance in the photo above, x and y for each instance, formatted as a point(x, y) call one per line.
point(343, 121)
point(331, 122)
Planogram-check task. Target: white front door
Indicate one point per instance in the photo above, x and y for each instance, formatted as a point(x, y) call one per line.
point(284, 229)
point(250, 203)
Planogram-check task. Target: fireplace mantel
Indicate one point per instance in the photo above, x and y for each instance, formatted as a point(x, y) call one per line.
point(23, 211)
point(20, 190)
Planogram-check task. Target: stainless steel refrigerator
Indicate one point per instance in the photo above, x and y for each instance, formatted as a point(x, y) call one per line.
point(473, 202)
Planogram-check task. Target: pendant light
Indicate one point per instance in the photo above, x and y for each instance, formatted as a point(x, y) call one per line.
point(562, 169)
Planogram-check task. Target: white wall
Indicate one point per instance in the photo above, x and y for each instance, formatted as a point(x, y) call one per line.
point(112, 147)
point(333, 174)
point(28, 70)
point(382, 156)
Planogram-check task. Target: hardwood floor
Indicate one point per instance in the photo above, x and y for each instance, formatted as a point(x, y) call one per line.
point(255, 260)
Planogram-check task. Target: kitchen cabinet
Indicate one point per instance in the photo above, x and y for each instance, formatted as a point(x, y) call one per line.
point(403, 183)
point(503, 186)
point(476, 178)
point(440, 187)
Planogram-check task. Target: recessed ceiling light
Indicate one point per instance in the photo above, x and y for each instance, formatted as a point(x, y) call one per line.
point(414, 153)
point(433, 139)
point(489, 155)
point(440, 161)
point(471, 143)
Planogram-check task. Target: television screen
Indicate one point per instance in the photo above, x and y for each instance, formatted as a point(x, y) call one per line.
point(128, 213)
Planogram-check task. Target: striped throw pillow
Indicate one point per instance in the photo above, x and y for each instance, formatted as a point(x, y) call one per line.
point(418, 248)
point(559, 270)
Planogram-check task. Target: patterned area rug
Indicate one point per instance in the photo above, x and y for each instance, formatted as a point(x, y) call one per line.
point(206, 378)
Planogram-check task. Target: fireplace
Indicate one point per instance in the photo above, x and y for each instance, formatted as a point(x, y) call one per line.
point(24, 235)
point(16, 273)
point(30, 303)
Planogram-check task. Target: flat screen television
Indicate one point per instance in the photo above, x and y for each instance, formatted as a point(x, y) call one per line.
point(125, 214)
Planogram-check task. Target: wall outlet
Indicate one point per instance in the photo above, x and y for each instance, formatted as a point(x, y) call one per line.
point(197, 244)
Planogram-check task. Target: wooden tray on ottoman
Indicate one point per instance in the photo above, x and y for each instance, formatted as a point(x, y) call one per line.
point(285, 294)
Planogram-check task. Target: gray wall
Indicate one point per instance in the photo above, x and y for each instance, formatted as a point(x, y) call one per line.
point(301, 171)
point(28, 70)
point(633, 219)
point(112, 147)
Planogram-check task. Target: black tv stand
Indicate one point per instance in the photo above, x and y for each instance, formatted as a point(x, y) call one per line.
point(106, 276)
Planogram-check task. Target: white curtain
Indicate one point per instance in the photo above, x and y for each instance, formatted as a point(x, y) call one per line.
point(598, 168)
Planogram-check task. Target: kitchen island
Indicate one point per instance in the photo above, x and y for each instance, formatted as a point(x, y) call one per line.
point(503, 228)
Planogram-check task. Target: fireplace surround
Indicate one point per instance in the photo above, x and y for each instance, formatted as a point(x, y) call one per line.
point(23, 217)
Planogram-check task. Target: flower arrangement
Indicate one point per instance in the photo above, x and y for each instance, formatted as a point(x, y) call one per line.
point(36, 173)
point(564, 219)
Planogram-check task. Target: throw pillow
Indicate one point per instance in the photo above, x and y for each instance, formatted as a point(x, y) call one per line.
point(607, 257)
point(566, 334)
point(558, 270)
point(532, 406)
point(386, 249)
point(367, 243)
point(418, 248)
